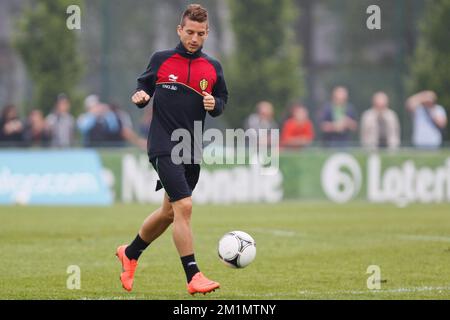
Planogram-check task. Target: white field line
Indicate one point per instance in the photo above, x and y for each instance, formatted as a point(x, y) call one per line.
point(288, 233)
point(301, 293)
point(109, 298)
point(277, 232)
point(350, 292)
point(424, 238)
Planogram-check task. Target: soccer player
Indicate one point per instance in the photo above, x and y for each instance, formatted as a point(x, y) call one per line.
point(185, 84)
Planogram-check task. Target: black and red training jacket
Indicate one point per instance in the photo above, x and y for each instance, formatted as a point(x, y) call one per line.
point(176, 79)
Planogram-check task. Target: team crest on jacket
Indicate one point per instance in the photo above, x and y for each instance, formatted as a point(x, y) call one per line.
point(203, 84)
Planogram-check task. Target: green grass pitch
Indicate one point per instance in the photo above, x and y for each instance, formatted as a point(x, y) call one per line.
point(304, 251)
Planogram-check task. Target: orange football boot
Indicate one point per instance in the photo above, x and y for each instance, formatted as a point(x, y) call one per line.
point(128, 268)
point(201, 284)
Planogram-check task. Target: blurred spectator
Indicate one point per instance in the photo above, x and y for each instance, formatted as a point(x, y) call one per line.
point(380, 127)
point(11, 128)
point(126, 132)
point(429, 119)
point(61, 123)
point(98, 123)
point(146, 120)
point(36, 133)
point(298, 130)
point(262, 119)
point(338, 120)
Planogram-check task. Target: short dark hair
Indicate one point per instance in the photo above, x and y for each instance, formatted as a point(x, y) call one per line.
point(194, 12)
point(61, 96)
point(6, 109)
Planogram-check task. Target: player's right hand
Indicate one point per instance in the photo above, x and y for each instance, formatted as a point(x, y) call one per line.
point(140, 97)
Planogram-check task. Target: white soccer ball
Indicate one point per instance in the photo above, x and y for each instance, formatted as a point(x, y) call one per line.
point(237, 249)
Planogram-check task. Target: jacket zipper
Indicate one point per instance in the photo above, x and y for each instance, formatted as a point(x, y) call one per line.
point(189, 71)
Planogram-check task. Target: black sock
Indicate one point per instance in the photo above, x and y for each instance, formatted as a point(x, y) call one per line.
point(190, 266)
point(134, 250)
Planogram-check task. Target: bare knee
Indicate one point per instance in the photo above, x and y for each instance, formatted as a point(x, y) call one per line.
point(183, 208)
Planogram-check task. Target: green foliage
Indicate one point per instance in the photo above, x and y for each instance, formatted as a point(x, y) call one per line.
point(266, 64)
point(430, 66)
point(49, 51)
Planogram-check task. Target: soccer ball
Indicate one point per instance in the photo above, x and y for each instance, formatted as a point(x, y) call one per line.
point(237, 249)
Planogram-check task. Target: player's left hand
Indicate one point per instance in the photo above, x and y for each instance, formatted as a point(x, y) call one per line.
point(208, 101)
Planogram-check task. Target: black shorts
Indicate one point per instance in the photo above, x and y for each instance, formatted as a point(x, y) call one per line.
point(179, 180)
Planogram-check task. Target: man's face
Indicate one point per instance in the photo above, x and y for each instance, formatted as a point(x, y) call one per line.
point(265, 110)
point(429, 100)
point(193, 34)
point(380, 102)
point(300, 114)
point(340, 96)
point(63, 106)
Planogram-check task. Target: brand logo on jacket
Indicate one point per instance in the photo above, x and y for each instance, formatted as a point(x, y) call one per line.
point(170, 87)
